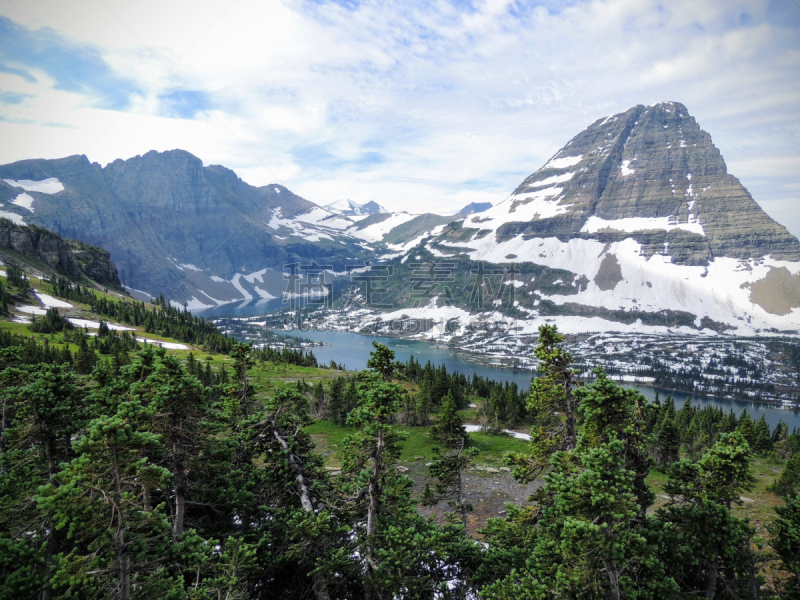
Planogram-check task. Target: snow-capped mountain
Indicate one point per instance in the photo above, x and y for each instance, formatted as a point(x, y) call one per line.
point(354, 209)
point(635, 224)
point(198, 234)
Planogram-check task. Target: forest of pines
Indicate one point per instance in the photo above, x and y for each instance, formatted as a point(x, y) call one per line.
point(152, 477)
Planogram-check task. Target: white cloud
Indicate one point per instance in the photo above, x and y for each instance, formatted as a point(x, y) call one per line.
point(421, 107)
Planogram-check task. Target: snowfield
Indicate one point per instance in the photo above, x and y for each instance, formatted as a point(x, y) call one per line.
point(45, 186)
point(720, 291)
point(13, 217)
point(563, 163)
point(167, 345)
point(24, 201)
point(50, 302)
point(632, 224)
point(96, 324)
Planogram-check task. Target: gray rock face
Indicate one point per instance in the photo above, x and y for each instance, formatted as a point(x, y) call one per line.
point(159, 211)
point(637, 221)
point(655, 162)
point(69, 257)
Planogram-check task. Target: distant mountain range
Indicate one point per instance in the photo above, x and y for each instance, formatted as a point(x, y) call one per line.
point(354, 209)
point(634, 225)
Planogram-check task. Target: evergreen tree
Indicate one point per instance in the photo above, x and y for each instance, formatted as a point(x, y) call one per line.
point(336, 410)
point(587, 534)
point(86, 358)
point(667, 444)
point(786, 543)
point(48, 409)
point(242, 361)
point(704, 546)
point(318, 399)
point(296, 487)
point(449, 428)
point(788, 484)
point(762, 440)
point(551, 396)
point(368, 466)
point(448, 472)
point(98, 499)
point(181, 405)
point(747, 428)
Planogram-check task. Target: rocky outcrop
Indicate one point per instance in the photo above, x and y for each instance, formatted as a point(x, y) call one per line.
point(68, 257)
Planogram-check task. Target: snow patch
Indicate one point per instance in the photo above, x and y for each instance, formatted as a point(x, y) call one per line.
point(563, 163)
point(13, 217)
point(167, 345)
point(265, 295)
point(376, 232)
point(31, 310)
point(50, 302)
point(45, 186)
point(551, 180)
point(96, 324)
point(24, 201)
point(626, 170)
point(632, 224)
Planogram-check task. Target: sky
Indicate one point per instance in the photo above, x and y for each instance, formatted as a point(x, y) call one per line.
point(422, 106)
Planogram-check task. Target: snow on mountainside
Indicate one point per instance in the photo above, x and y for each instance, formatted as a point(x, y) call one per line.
point(640, 215)
point(354, 209)
point(635, 225)
point(198, 234)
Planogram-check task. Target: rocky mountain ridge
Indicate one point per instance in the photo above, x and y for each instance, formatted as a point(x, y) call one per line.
point(198, 234)
point(634, 225)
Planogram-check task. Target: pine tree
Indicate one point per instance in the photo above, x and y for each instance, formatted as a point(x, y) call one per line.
point(551, 396)
point(747, 428)
point(788, 484)
point(786, 542)
point(181, 405)
point(667, 444)
point(336, 410)
point(704, 546)
point(449, 428)
point(318, 399)
point(295, 480)
point(98, 499)
point(86, 358)
point(47, 409)
point(242, 361)
point(762, 440)
point(368, 466)
point(448, 471)
point(587, 534)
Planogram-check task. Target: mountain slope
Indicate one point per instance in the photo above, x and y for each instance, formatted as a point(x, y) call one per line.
point(64, 256)
point(636, 220)
point(198, 234)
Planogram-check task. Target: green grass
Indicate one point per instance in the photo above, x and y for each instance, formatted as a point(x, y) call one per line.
point(417, 447)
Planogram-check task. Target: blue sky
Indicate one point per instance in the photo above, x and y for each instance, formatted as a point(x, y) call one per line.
point(420, 106)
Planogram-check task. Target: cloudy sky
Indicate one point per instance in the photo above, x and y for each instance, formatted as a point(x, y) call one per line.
point(420, 106)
